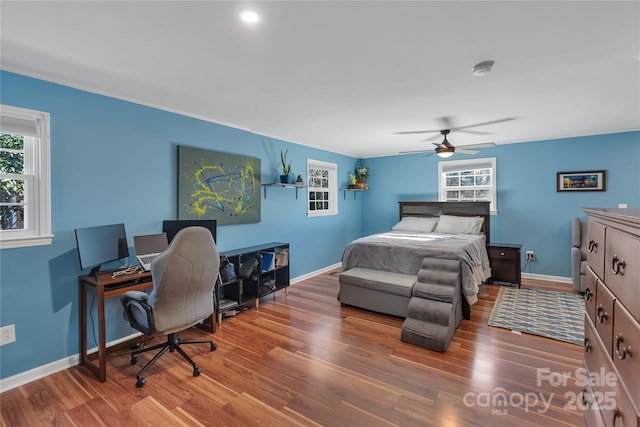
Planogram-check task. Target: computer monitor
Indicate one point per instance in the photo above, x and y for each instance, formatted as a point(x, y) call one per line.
point(171, 227)
point(100, 245)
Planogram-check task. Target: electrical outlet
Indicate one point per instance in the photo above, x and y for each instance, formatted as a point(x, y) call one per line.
point(7, 334)
point(529, 255)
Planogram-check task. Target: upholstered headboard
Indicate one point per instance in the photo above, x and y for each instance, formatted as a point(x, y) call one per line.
point(435, 209)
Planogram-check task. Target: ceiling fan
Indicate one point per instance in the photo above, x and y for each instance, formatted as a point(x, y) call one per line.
point(445, 148)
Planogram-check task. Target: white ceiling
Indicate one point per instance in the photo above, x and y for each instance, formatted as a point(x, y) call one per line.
point(346, 75)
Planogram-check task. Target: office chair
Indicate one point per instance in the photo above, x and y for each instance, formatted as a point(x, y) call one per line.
point(184, 279)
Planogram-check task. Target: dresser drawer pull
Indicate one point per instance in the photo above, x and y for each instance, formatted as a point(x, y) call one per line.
point(585, 402)
point(625, 350)
point(601, 314)
point(587, 346)
point(616, 415)
point(587, 294)
point(618, 265)
point(592, 246)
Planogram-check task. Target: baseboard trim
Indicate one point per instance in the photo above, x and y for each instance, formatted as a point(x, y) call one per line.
point(544, 277)
point(23, 378)
point(315, 273)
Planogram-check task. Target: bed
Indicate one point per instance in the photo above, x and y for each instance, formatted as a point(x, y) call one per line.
point(402, 251)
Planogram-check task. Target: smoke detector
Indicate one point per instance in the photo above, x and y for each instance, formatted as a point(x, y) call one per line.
point(482, 68)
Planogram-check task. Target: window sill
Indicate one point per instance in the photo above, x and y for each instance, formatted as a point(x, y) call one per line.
point(24, 242)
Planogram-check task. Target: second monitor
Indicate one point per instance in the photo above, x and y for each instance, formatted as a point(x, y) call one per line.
point(171, 227)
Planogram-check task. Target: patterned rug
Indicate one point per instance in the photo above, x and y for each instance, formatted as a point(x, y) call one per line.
point(549, 314)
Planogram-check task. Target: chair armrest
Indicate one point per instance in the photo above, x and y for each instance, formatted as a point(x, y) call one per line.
point(137, 312)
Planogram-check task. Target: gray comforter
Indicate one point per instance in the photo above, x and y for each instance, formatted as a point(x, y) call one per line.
point(402, 252)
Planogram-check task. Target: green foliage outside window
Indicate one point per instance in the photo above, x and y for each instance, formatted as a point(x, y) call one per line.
point(11, 189)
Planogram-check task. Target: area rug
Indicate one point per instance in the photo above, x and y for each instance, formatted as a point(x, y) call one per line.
point(556, 315)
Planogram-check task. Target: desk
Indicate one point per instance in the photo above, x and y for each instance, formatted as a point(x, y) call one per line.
point(103, 288)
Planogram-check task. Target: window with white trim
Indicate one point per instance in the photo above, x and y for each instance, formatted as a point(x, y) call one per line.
point(468, 181)
point(322, 188)
point(25, 212)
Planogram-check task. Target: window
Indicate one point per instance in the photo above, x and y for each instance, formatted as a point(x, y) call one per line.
point(468, 180)
point(322, 189)
point(25, 213)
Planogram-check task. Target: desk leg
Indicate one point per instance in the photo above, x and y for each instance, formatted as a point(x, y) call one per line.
point(102, 333)
point(84, 359)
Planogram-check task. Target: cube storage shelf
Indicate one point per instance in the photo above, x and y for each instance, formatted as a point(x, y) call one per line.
point(271, 274)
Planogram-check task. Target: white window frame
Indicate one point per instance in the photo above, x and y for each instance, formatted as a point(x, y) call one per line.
point(460, 165)
point(37, 176)
point(332, 168)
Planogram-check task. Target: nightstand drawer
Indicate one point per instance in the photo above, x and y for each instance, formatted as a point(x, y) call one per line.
point(504, 253)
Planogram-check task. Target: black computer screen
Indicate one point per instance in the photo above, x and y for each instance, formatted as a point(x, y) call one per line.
point(100, 245)
point(171, 227)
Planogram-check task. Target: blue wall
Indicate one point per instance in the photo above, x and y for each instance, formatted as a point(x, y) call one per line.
point(103, 150)
point(115, 161)
point(530, 210)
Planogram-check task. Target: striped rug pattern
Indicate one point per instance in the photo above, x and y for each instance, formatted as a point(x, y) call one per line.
point(555, 315)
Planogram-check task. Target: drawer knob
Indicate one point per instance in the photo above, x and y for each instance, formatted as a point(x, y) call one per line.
point(625, 350)
point(592, 246)
point(587, 294)
point(601, 314)
point(587, 346)
point(618, 265)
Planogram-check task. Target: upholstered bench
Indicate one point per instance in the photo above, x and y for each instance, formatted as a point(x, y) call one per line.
point(377, 290)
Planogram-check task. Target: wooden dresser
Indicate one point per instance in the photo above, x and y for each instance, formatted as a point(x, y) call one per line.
point(612, 320)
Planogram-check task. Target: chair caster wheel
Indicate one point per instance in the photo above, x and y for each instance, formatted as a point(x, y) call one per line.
point(197, 372)
point(213, 346)
point(141, 382)
point(134, 360)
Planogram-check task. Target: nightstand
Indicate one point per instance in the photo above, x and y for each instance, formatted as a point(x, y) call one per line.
point(504, 259)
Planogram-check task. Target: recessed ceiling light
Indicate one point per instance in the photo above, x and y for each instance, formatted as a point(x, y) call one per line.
point(482, 68)
point(250, 16)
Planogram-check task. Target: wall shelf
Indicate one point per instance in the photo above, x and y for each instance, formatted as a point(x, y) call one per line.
point(355, 191)
point(278, 184)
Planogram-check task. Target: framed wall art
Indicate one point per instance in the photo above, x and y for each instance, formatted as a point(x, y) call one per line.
point(218, 185)
point(582, 181)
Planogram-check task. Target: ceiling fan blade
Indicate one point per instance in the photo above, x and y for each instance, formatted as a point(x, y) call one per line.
point(429, 154)
point(475, 132)
point(411, 132)
point(484, 123)
point(483, 145)
point(462, 150)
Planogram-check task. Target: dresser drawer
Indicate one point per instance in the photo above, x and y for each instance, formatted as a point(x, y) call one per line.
point(590, 294)
point(622, 269)
point(595, 356)
point(626, 350)
point(596, 247)
point(604, 316)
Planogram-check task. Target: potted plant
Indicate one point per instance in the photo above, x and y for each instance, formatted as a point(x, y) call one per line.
point(286, 167)
point(352, 181)
point(362, 172)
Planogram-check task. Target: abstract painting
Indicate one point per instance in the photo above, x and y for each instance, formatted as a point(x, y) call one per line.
point(218, 185)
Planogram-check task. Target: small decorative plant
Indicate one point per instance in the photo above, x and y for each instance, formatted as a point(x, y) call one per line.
point(286, 167)
point(352, 179)
point(362, 171)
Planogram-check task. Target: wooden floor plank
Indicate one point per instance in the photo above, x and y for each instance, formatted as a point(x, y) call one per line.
point(303, 359)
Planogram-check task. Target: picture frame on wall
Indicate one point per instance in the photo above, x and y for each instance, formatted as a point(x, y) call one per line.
point(582, 181)
point(218, 185)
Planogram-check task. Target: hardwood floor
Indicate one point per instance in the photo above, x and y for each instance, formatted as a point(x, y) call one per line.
point(303, 359)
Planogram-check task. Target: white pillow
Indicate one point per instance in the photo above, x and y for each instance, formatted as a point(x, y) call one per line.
point(459, 224)
point(414, 223)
